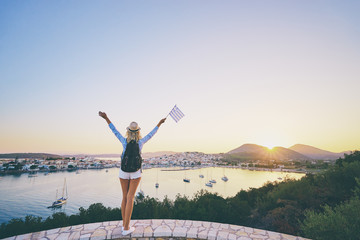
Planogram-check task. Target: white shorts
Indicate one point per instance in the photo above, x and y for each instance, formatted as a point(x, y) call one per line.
point(130, 175)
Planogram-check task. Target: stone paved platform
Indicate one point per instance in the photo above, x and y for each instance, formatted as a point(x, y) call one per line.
point(156, 229)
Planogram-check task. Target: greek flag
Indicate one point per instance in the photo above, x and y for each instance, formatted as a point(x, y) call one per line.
point(176, 114)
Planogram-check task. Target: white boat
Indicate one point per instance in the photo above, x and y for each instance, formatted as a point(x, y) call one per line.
point(60, 201)
point(209, 184)
point(185, 178)
point(224, 178)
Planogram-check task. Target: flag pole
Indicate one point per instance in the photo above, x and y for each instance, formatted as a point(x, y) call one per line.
point(170, 111)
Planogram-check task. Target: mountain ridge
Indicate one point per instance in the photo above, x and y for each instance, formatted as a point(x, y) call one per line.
point(295, 152)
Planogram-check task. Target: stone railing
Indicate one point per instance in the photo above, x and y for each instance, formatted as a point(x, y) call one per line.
point(156, 229)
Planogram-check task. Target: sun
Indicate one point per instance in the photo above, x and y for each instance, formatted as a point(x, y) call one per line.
point(269, 146)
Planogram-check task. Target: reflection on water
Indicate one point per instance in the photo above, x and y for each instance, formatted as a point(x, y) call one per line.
point(22, 195)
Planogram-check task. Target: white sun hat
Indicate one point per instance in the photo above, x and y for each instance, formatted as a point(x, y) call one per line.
point(133, 127)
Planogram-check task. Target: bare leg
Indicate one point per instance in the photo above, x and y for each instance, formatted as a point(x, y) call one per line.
point(134, 183)
point(125, 188)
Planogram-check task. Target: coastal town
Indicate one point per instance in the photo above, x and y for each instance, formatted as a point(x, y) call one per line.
point(184, 160)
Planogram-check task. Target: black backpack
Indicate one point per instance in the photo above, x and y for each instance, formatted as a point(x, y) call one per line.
point(131, 161)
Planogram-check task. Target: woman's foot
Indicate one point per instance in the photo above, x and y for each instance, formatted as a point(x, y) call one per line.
point(127, 232)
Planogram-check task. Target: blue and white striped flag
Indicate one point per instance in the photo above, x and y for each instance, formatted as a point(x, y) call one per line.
point(176, 114)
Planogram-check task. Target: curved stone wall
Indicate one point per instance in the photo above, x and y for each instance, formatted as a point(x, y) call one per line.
point(156, 229)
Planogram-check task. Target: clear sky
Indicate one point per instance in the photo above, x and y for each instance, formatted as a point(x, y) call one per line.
point(274, 73)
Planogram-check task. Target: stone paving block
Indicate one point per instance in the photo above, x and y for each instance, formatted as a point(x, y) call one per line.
point(91, 226)
point(206, 224)
point(82, 232)
point(52, 231)
point(116, 233)
point(169, 221)
point(64, 229)
point(171, 225)
point(179, 231)
point(139, 232)
point(52, 236)
point(85, 236)
point(273, 235)
point(232, 236)
point(203, 234)
point(244, 238)
point(24, 236)
point(187, 223)
point(236, 227)
point(192, 232)
point(224, 226)
point(156, 222)
point(114, 223)
point(215, 225)
point(132, 222)
point(98, 234)
point(144, 222)
point(222, 235)
point(74, 235)
point(259, 231)
point(110, 227)
point(197, 224)
point(162, 231)
point(63, 236)
point(258, 236)
point(242, 233)
point(179, 223)
point(212, 234)
point(148, 231)
point(77, 227)
point(37, 235)
point(248, 230)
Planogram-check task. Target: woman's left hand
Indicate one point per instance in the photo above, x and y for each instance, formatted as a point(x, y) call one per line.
point(161, 122)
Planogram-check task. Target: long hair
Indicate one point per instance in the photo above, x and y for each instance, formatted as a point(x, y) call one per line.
point(133, 136)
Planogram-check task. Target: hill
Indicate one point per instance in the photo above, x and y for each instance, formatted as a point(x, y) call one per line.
point(29, 155)
point(253, 151)
point(316, 153)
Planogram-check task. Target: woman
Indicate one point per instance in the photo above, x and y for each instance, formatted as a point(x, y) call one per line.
point(129, 181)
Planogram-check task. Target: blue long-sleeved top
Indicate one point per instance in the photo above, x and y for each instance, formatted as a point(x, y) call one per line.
point(124, 142)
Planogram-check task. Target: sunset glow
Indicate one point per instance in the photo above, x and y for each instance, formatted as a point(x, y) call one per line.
point(241, 72)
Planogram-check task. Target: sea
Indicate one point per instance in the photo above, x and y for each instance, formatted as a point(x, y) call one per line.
point(23, 195)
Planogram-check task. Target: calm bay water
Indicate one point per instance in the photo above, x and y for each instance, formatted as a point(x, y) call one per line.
point(22, 195)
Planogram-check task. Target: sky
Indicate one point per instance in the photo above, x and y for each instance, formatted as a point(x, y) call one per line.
point(273, 73)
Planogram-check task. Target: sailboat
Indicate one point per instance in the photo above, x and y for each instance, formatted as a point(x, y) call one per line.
point(212, 180)
point(157, 178)
point(201, 175)
point(186, 179)
point(224, 178)
point(60, 201)
point(208, 184)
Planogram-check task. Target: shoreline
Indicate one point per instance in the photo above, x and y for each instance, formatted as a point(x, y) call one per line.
point(173, 168)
